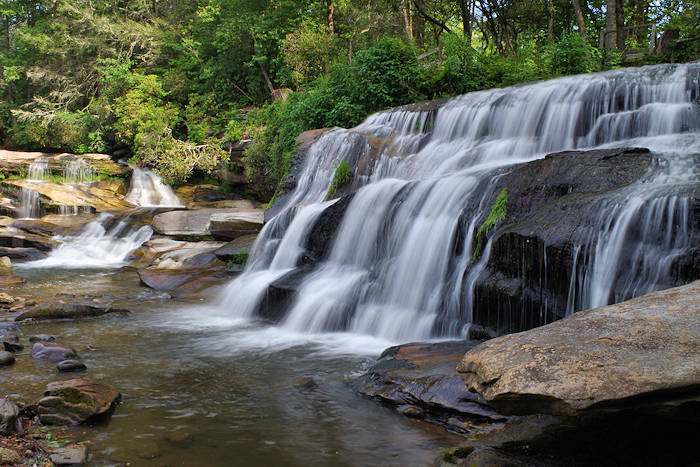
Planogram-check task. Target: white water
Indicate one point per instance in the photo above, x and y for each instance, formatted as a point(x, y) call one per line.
point(391, 271)
point(148, 190)
point(104, 243)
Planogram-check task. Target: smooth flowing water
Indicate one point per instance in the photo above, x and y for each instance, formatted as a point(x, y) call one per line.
point(148, 190)
point(391, 272)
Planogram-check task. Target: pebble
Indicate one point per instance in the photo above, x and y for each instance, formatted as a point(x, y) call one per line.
point(6, 358)
point(67, 366)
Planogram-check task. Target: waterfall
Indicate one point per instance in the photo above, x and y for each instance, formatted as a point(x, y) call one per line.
point(104, 243)
point(148, 190)
point(391, 269)
point(30, 208)
point(76, 170)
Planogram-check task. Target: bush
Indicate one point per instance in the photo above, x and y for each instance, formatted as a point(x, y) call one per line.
point(571, 56)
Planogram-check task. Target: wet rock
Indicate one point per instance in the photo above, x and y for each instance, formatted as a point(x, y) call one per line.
point(42, 338)
point(67, 311)
point(489, 457)
point(644, 351)
point(73, 454)
point(52, 352)
point(29, 254)
point(229, 226)
point(552, 203)
point(101, 196)
point(8, 414)
point(12, 280)
point(5, 266)
point(6, 358)
point(421, 381)
point(75, 401)
point(10, 343)
point(6, 299)
point(235, 248)
point(70, 366)
point(9, 457)
point(147, 450)
point(179, 438)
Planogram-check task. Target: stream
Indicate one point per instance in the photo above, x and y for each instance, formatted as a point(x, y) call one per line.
point(197, 384)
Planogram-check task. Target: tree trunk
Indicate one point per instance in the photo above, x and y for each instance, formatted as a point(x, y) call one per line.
point(620, 24)
point(267, 80)
point(466, 19)
point(580, 22)
point(407, 22)
point(331, 23)
point(550, 22)
point(610, 33)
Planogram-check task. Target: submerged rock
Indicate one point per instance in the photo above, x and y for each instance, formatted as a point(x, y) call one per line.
point(6, 299)
point(67, 311)
point(643, 351)
point(6, 358)
point(75, 401)
point(70, 366)
point(52, 351)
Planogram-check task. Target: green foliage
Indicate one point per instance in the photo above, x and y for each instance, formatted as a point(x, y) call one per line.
point(571, 55)
point(239, 259)
point(341, 176)
point(497, 214)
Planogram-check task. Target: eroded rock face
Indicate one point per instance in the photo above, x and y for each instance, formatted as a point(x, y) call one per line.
point(640, 351)
point(76, 401)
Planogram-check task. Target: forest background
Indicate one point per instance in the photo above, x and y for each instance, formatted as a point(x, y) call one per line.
point(175, 84)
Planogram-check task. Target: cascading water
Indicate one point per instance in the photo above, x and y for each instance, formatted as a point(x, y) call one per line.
point(391, 271)
point(148, 190)
point(76, 170)
point(104, 243)
point(30, 208)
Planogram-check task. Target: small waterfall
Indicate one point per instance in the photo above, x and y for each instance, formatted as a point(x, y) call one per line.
point(148, 190)
point(38, 170)
point(30, 208)
point(76, 170)
point(395, 268)
point(104, 243)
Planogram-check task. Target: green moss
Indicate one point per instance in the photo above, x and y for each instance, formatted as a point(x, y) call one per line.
point(239, 259)
point(497, 214)
point(341, 176)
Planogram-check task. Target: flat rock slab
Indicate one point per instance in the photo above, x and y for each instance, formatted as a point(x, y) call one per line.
point(231, 225)
point(66, 311)
point(643, 350)
point(196, 223)
point(76, 401)
point(101, 196)
point(73, 454)
point(421, 381)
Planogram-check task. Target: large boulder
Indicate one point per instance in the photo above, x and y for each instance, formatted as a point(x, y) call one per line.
point(229, 226)
point(637, 352)
point(76, 401)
